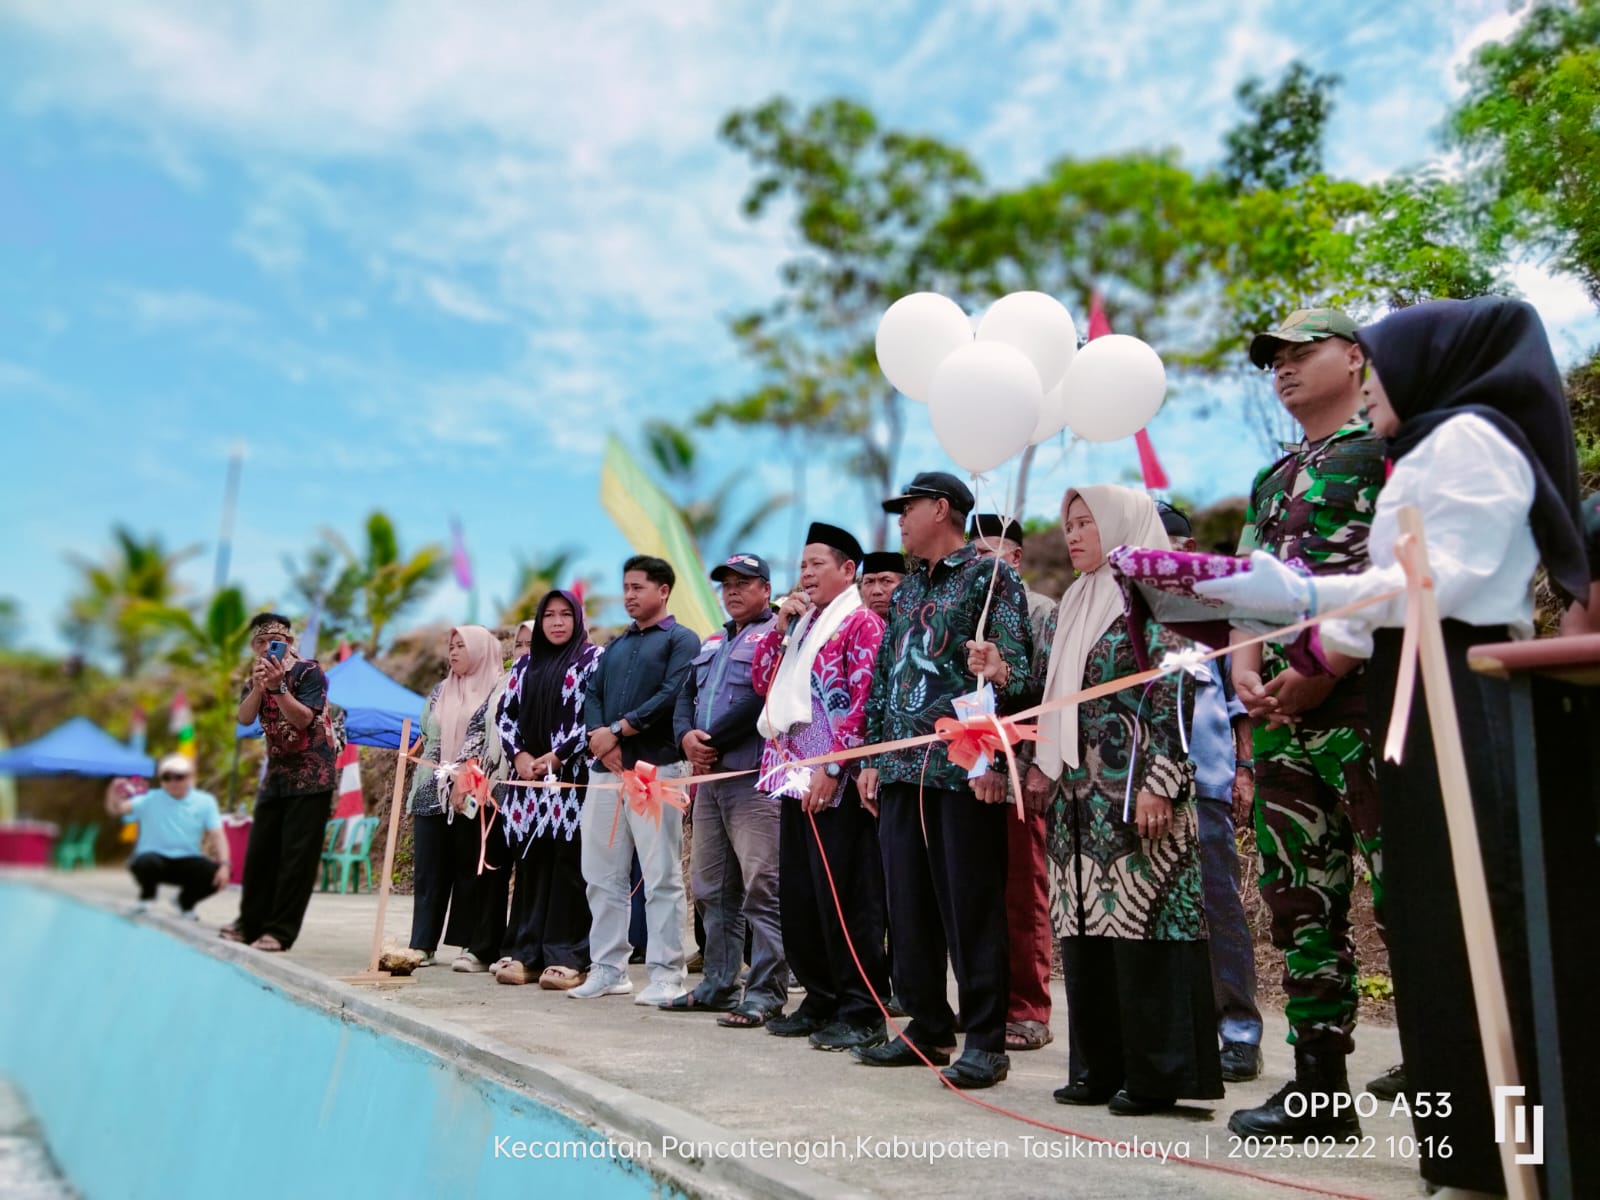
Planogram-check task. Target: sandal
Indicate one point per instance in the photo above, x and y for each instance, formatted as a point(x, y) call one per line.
point(230, 933)
point(268, 944)
point(748, 1016)
point(561, 979)
point(1028, 1035)
point(513, 973)
point(689, 1002)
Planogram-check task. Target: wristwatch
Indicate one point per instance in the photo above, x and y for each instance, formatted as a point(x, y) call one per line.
point(616, 729)
point(283, 689)
point(832, 770)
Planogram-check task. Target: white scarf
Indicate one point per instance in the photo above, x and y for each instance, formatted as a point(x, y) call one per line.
point(1124, 517)
point(789, 699)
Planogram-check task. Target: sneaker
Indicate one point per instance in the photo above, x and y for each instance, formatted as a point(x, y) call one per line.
point(469, 963)
point(660, 993)
point(428, 960)
point(138, 908)
point(188, 914)
point(602, 981)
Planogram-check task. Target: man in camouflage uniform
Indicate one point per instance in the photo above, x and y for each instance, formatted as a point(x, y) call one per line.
point(1316, 791)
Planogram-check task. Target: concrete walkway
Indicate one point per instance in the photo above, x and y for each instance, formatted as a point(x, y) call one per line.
point(27, 1171)
point(839, 1128)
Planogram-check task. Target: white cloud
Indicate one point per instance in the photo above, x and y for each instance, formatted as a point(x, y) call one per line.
point(153, 308)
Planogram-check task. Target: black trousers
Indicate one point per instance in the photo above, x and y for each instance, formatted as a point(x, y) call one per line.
point(551, 925)
point(1439, 1034)
point(947, 896)
point(195, 875)
point(1141, 1016)
point(502, 886)
point(813, 938)
point(280, 865)
point(445, 875)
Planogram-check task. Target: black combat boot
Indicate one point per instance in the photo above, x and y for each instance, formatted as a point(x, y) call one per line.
point(1316, 1103)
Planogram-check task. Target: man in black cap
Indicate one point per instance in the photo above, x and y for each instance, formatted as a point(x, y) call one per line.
point(881, 573)
point(943, 835)
point(815, 670)
point(1027, 878)
point(733, 858)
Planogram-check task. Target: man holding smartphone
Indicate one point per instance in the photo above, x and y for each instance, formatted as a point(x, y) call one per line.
point(290, 696)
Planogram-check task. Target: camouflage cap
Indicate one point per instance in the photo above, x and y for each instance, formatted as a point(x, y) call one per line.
point(1302, 325)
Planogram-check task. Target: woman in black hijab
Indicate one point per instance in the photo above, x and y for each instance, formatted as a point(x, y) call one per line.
point(1480, 439)
point(541, 724)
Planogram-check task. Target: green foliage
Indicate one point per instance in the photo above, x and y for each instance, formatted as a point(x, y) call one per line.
point(1375, 987)
point(861, 199)
point(1530, 125)
point(118, 595)
point(328, 582)
point(708, 517)
point(389, 582)
point(535, 577)
point(1279, 143)
point(1583, 395)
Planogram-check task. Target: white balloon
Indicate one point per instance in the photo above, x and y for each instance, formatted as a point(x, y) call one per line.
point(915, 335)
point(1039, 326)
point(1052, 414)
point(1116, 384)
point(984, 404)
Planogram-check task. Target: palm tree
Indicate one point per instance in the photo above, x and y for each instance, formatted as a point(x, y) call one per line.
point(715, 535)
point(330, 585)
point(389, 582)
point(215, 643)
point(541, 574)
point(120, 594)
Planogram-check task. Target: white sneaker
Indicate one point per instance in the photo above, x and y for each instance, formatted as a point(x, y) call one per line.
point(469, 963)
point(602, 981)
point(660, 993)
point(428, 960)
point(139, 908)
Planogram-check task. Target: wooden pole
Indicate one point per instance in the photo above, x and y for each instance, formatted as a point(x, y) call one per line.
point(372, 973)
point(1483, 955)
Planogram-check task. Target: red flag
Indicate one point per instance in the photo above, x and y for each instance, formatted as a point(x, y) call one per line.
point(1149, 465)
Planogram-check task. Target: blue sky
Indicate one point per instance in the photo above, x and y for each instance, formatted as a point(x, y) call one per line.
point(421, 258)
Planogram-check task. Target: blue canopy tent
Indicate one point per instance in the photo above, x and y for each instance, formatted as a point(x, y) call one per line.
point(374, 705)
point(79, 747)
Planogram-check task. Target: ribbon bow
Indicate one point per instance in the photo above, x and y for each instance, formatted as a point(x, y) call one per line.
point(986, 737)
point(646, 795)
point(1190, 661)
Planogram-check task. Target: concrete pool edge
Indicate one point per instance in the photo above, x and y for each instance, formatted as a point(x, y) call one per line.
point(606, 1108)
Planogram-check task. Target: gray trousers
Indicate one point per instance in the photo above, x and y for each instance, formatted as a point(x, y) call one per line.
point(733, 863)
point(1233, 958)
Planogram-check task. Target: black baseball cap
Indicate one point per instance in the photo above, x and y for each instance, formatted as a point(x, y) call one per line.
point(751, 565)
point(933, 485)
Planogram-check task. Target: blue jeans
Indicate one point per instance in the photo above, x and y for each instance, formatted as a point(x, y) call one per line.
point(1233, 958)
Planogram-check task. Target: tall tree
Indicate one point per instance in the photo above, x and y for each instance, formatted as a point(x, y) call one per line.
point(328, 583)
point(860, 198)
point(118, 595)
point(215, 642)
point(1280, 141)
point(1530, 126)
point(390, 582)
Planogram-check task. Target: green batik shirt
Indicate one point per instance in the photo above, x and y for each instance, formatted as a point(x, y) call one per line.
point(1315, 504)
point(922, 665)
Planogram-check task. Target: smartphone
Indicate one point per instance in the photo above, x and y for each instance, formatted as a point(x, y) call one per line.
point(276, 650)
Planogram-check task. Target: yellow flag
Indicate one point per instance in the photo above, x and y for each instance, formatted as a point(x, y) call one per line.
point(652, 525)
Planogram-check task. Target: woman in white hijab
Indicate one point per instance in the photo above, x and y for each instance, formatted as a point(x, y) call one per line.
point(445, 853)
point(1123, 840)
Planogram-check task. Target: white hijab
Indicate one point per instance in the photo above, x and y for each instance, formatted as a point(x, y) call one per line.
point(1124, 517)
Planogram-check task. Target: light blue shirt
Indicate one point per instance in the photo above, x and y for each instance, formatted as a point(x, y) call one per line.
point(1211, 737)
point(171, 827)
